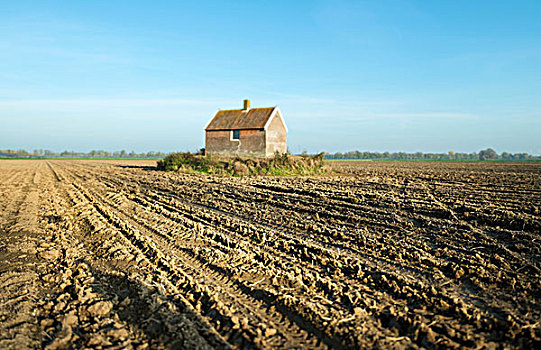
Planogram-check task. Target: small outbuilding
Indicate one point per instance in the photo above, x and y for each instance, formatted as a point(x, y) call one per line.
point(254, 132)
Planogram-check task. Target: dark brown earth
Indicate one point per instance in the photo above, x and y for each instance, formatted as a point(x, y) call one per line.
point(113, 254)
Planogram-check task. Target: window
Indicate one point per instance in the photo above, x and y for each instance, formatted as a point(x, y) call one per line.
point(235, 134)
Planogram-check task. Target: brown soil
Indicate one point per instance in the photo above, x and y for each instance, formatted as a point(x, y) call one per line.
point(113, 254)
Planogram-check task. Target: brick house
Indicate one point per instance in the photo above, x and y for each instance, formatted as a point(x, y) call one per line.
point(255, 132)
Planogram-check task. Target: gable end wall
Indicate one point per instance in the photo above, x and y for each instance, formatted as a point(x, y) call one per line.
point(276, 140)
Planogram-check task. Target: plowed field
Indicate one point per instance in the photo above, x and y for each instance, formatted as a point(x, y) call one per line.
point(113, 254)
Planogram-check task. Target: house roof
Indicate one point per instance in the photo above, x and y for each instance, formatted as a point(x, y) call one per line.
point(253, 118)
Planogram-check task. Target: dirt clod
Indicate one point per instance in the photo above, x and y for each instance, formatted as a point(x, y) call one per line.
point(53, 254)
point(100, 308)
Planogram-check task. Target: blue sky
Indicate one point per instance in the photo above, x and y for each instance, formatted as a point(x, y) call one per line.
point(429, 76)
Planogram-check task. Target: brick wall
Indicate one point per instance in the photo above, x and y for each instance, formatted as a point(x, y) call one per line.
point(251, 143)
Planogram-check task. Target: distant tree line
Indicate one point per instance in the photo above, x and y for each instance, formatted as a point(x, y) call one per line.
point(40, 153)
point(487, 154)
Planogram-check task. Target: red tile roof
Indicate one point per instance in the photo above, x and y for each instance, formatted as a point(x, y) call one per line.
point(253, 118)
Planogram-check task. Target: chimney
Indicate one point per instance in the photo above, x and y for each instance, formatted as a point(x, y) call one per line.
point(246, 105)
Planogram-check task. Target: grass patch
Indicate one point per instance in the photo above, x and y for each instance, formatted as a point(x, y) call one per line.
point(279, 165)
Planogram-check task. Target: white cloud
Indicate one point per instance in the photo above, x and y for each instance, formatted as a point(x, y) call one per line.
point(41, 104)
point(416, 116)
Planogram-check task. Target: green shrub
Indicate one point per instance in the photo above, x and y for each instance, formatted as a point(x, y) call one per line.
point(278, 165)
point(174, 161)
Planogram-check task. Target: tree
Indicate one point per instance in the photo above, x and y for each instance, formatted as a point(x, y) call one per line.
point(507, 155)
point(487, 154)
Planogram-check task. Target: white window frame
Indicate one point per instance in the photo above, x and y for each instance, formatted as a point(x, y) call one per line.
point(231, 135)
